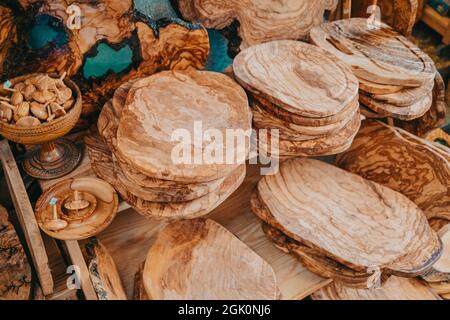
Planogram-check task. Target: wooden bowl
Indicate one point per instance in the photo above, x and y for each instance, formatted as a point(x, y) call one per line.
point(48, 131)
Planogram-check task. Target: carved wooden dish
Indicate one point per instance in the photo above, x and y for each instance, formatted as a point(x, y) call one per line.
point(200, 259)
point(355, 222)
point(87, 222)
point(410, 165)
point(55, 158)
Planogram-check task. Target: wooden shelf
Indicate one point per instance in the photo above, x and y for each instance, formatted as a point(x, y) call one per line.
point(130, 236)
point(438, 23)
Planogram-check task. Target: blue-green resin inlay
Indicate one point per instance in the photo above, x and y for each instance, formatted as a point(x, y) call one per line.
point(46, 31)
point(107, 59)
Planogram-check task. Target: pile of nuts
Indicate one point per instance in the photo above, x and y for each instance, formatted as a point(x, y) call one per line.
point(37, 100)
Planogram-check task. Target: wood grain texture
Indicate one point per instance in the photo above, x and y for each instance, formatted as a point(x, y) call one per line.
point(327, 220)
point(324, 123)
point(405, 163)
point(379, 55)
point(167, 101)
point(405, 97)
point(259, 21)
point(394, 289)
point(102, 165)
point(296, 76)
point(327, 145)
point(101, 214)
point(139, 184)
point(177, 263)
point(156, 45)
point(26, 218)
point(15, 272)
point(8, 33)
point(291, 131)
point(130, 236)
point(103, 272)
point(433, 118)
point(414, 111)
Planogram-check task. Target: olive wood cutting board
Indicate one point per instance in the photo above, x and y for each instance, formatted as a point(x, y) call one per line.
point(298, 77)
point(380, 55)
point(177, 265)
point(354, 221)
point(159, 105)
point(405, 163)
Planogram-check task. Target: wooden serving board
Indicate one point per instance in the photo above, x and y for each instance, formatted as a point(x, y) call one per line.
point(200, 259)
point(380, 55)
point(395, 288)
point(130, 236)
point(159, 105)
point(353, 221)
point(298, 77)
point(405, 163)
point(259, 21)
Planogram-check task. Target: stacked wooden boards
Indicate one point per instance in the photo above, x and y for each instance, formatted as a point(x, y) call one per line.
point(344, 227)
point(415, 167)
point(150, 150)
point(259, 21)
point(396, 77)
point(199, 259)
point(395, 288)
point(304, 100)
point(15, 272)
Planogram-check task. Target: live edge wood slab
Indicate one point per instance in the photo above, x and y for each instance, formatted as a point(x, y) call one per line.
point(156, 45)
point(130, 236)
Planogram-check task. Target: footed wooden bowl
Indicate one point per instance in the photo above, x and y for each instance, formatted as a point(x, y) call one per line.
point(53, 159)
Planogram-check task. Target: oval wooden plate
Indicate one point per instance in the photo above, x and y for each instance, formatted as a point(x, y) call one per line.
point(199, 259)
point(298, 77)
point(352, 220)
point(380, 55)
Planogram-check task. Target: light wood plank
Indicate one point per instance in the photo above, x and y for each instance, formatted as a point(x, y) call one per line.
point(76, 256)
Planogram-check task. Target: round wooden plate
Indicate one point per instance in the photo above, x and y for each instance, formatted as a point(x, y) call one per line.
point(104, 213)
point(354, 221)
point(199, 259)
point(298, 77)
point(102, 164)
point(379, 55)
point(151, 189)
point(174, 102)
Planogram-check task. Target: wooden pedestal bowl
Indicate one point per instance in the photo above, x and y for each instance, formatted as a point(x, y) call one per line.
point(55, 158)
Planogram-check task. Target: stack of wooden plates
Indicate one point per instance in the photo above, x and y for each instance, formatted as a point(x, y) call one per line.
point(396, 77)
point(344, 227)
point(304, 97)
point(415, 167)
point(138, 154)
